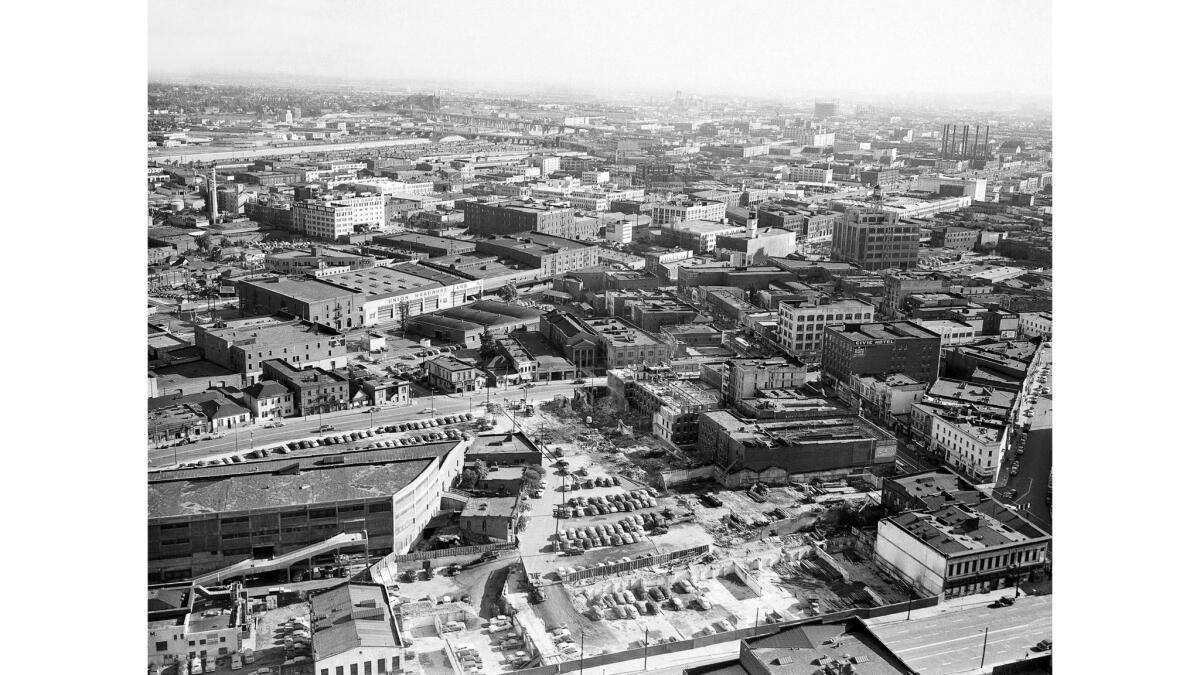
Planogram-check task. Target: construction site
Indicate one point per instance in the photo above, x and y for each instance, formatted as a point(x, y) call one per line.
point(611, 560)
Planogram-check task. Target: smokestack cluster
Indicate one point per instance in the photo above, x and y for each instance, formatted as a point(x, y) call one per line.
point(964, 147)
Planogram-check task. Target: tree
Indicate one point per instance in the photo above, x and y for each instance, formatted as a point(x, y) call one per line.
point(487, 344)
point(531, 478)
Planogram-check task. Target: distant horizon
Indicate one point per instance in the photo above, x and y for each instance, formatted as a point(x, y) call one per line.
point(285, 80)
point(997, 50)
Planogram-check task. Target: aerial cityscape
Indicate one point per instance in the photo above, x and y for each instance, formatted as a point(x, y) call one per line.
point(458, 377)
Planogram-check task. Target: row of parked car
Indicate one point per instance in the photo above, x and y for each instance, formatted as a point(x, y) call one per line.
point(579, 507)
point(630, 603)
point(623, 532)
point(355, 436)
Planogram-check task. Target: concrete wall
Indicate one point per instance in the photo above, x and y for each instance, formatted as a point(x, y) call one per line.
point(911, 560)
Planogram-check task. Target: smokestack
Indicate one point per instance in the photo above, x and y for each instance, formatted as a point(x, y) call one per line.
point(966, 138)
point(987, 132)
point(212, 196)
point(954, 137)
point(975, 148)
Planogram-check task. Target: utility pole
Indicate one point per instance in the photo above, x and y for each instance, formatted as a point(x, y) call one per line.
point(984, 654)
point(646, 649)
point(580, 649)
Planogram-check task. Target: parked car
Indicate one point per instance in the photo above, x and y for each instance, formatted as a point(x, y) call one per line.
point(579, 381)
point(1043, 646)
point(324, 427)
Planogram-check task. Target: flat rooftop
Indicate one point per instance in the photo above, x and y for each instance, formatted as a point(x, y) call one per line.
point(500, 507)
point(956, 528)
point(898, 330)
point(279, 482)
point(266, 331)
point(492, 444)
point(262, 491)
point(789, 432)
point(301, 288)
point(377, 282)
point(956, 390)
point(620, 333)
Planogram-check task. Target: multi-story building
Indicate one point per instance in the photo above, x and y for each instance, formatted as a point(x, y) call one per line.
point(512, 216)
point(336, 218)
point(388, 187)
point(802, 325)
point(312, 389)
point(809, 134)
point(268, 400)
point(897, 286)
point(448, 374)
point(270, 211)
point(957, 549)
point(954, 237)
point(756, 243)
point(624, 344)
point(744, 378)
point(312, 300)
point(882, 398)
point(776, 451)
point(810, 174)
point(875, 240)
point(242, 345)
point(549, 254)
point(880, 349)
point(964, 422)
point(683, 209)
point(316, 261)
point(1035, 324)
point(810, 223)
point(699, 236)
point(204, 519)
point(663, 402)
point(547, 163)
point(879, 176)
point(188, 622)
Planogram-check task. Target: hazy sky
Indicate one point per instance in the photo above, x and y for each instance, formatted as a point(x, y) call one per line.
point(796, 48)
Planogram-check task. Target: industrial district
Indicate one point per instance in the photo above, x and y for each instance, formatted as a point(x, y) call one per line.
point(458, 383)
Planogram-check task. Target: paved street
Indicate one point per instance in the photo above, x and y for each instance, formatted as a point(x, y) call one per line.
point(952, 642)
point(349, 420)
point(1032, 479)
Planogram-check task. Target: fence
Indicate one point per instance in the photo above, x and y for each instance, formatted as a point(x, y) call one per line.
point(606, 569)
point(669, 478)
point(452, 552)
